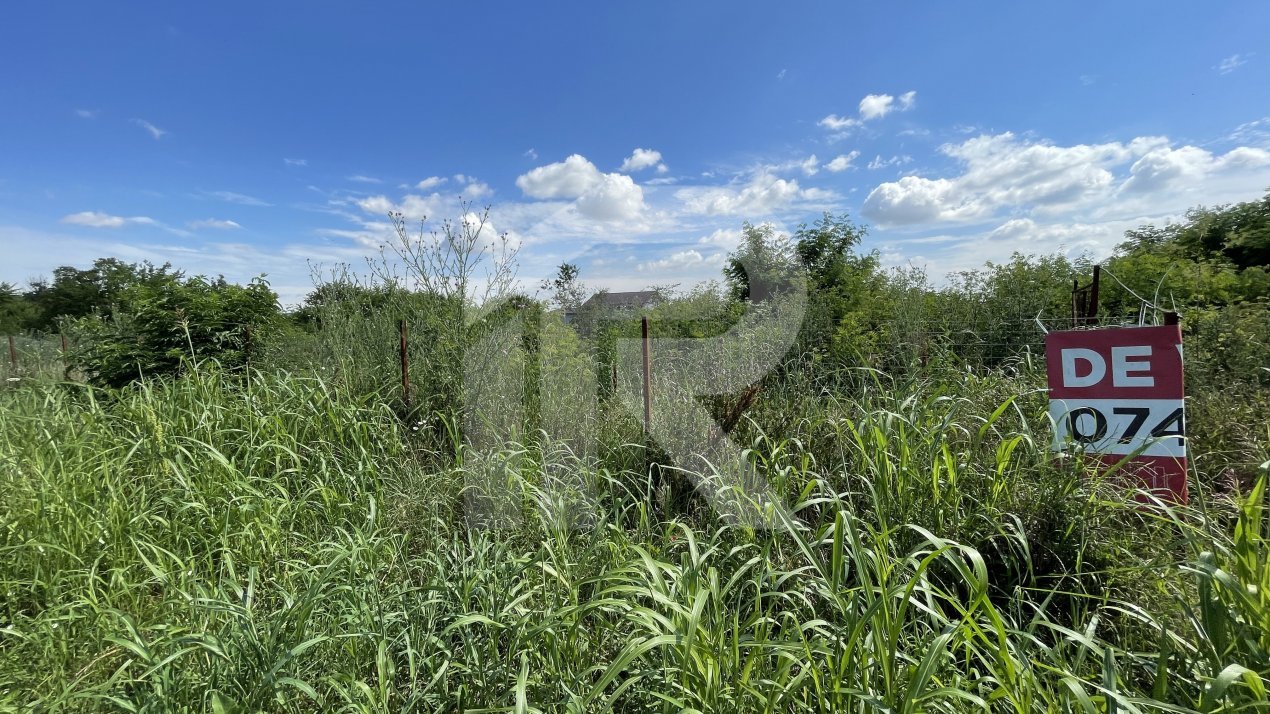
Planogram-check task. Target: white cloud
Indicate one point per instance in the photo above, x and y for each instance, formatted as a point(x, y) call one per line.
point(239, 198)
point(781, 74)
point(596, 195)
point(155, 131)
point(913, 199)
point(809, 166)
point(413, 207)
point(1003, 173)
point(430, 183)
point(378, 205)
point(295, 162)
point(1026, 230)
point(642, 159)
point(764, 194)
point(833, 122)
point(873, 106)
point(475, 190)
point(880, 163)
point(1165, 168)
point(95, 219)
point(359, 178)
point(87, 113)
point(681, 260)
point(728, 238)
point(531, 154)
point(216, 223)
point(842, 162)
point(1252, 133)
point(615, 197)
point(999, 171)
point(1232, 63)
point(565, 179)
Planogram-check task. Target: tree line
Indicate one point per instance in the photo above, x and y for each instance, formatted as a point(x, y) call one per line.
point(132, 319)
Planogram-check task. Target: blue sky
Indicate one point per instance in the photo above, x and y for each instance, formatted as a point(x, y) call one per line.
point(634, 139)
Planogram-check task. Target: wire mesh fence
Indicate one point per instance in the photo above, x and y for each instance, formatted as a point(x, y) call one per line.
point(32, 355)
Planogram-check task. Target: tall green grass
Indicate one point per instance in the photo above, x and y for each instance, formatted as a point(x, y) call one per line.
point(284, 544)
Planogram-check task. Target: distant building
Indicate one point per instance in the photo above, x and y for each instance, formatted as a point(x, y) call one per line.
point(615, 305)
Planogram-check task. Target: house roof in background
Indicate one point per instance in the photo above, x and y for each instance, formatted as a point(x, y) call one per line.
point(632, 299)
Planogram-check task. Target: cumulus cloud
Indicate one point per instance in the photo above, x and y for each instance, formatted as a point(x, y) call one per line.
point(597, 195)
point(472, 188)
point(615, 197)
point(564, 179)
point(412, 207)
point(763, 194)
point(873, 106)
point(642, 159)
point(913, 199)
point(876, 106)
point(430, 183)
point(1166, 168)
point(1001, 172)
point(842, 162)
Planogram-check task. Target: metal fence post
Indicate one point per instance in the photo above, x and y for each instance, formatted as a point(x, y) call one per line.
point(405, 363)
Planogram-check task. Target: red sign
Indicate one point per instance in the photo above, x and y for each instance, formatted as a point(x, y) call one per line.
point(1117, 394)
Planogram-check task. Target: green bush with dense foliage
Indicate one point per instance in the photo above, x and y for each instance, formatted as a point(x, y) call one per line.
point(161, 325)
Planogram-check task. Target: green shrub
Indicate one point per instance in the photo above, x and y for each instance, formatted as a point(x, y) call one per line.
point(158, 326)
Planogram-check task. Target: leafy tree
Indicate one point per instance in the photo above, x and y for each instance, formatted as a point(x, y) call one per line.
point(15, 311)
point(161, 323)
point(763, 263)
point(567, 291)
point(75, 293)
point(1218, 256)
point(1238, 233)
point(843, 286)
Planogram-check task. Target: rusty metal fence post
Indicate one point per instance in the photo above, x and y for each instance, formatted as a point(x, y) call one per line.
point(655, 471)
point(405, 363)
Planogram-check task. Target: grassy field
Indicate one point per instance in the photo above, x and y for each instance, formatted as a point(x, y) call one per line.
point(281, 543)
